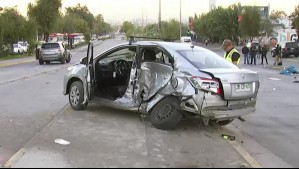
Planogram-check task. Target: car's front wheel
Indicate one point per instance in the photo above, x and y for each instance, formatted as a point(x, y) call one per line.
point(41, 62)
point(76, 96)
point(166, 114)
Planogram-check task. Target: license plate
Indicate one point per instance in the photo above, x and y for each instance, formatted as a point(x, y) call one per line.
point(244, 87)
point(49, 52)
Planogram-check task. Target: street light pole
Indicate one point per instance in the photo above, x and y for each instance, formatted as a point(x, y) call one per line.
point(160, 15)
point(180, 18)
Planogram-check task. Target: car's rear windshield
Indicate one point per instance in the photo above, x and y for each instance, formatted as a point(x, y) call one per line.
point(205, 59)
point(291, 45)
point(50, 46)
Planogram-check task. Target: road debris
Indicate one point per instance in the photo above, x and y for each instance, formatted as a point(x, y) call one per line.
point(276, 79)
point(62, 142)
point(228, 137)
point(289, 70)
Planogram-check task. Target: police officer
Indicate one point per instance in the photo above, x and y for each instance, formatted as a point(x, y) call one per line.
point(231, 54)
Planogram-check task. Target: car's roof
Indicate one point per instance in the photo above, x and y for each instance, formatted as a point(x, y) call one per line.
point(171, 45)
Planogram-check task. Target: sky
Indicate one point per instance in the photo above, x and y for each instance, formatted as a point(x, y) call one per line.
point(115, 11)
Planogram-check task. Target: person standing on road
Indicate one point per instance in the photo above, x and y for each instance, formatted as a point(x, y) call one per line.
point(231, 54)
point(277, 54)
point(207, 41)
point(253, 52)
point(245, 52)
point(264, 54)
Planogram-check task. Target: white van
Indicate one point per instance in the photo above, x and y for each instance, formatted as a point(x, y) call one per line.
point(186, 39)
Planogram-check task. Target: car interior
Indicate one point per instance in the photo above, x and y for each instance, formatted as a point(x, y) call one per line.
point(112, 73)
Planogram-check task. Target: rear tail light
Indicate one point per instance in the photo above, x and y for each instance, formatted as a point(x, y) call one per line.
point(206, 84)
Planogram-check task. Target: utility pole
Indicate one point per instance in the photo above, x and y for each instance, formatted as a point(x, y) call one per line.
point(160, 15)
point(180, 18)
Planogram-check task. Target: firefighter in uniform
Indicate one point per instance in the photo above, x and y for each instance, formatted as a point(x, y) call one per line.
point(231, 54)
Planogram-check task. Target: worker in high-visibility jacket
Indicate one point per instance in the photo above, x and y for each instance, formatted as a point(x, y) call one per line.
point(231, 54)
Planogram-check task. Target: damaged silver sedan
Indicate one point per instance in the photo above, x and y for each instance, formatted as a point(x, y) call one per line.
point(164, 81)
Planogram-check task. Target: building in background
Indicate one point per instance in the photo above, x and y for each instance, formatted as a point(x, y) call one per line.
point(212, 4)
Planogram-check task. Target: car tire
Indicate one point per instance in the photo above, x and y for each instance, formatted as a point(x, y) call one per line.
point(41, 62)
point(225, 122)
point(166, 115)
point(48, 62)
point(68, 60)
point(63, 61)
point(76, 96)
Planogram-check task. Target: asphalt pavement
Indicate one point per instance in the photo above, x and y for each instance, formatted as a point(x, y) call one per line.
point(34, 113)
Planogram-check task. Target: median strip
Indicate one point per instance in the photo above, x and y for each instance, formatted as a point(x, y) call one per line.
point(16, 63)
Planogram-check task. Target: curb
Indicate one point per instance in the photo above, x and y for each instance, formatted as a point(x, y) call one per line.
point(16, 63)
point(239, 148)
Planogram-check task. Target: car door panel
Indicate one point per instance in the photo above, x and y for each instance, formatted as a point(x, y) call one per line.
point(154, 77)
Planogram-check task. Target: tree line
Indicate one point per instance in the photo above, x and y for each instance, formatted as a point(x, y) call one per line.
point(235, 23)
point(169, 29)
point(45, 17)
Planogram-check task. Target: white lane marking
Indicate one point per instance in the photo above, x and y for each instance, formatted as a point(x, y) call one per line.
point(274, 79)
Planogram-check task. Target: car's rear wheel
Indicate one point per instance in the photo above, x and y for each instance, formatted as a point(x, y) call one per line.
point(48, 62)
point(76, 96)
point(41, 62)
point(68, 60)
point(225, 122)
point(166, 114)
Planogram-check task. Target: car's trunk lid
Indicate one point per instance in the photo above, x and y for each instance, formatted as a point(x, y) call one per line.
point(237, 84)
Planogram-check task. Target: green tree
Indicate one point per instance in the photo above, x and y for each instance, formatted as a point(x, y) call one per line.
point(218, 24)
point(275, 15)
point(250, 25)
point(170, 29)
point(83, 13)
point(295, 19)
point(127, 28)
point(45, 13)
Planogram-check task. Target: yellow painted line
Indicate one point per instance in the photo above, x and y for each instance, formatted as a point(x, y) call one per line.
point(16, 63)
point(240, 149)
point(14, 158)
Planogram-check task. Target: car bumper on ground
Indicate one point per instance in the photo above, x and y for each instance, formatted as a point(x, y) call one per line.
point(215, 108)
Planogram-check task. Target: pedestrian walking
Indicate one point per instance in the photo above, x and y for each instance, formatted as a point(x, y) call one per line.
point(206, 42)
point(253, 52)
point(245, 52)
point(264, 54)
point(231, 54)
point(277, 55)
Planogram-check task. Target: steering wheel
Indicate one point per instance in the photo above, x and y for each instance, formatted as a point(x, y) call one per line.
point(120, 66)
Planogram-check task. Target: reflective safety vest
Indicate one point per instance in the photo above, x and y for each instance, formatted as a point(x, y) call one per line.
point(230, 54)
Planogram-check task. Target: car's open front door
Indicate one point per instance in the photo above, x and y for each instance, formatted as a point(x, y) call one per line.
point(89, 78)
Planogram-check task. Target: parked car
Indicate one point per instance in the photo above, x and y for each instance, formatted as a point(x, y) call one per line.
point(54, 51)
point(24, 46)
point(186, 39)
point(163, 80)
point(17, 49)
point(290, 48)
